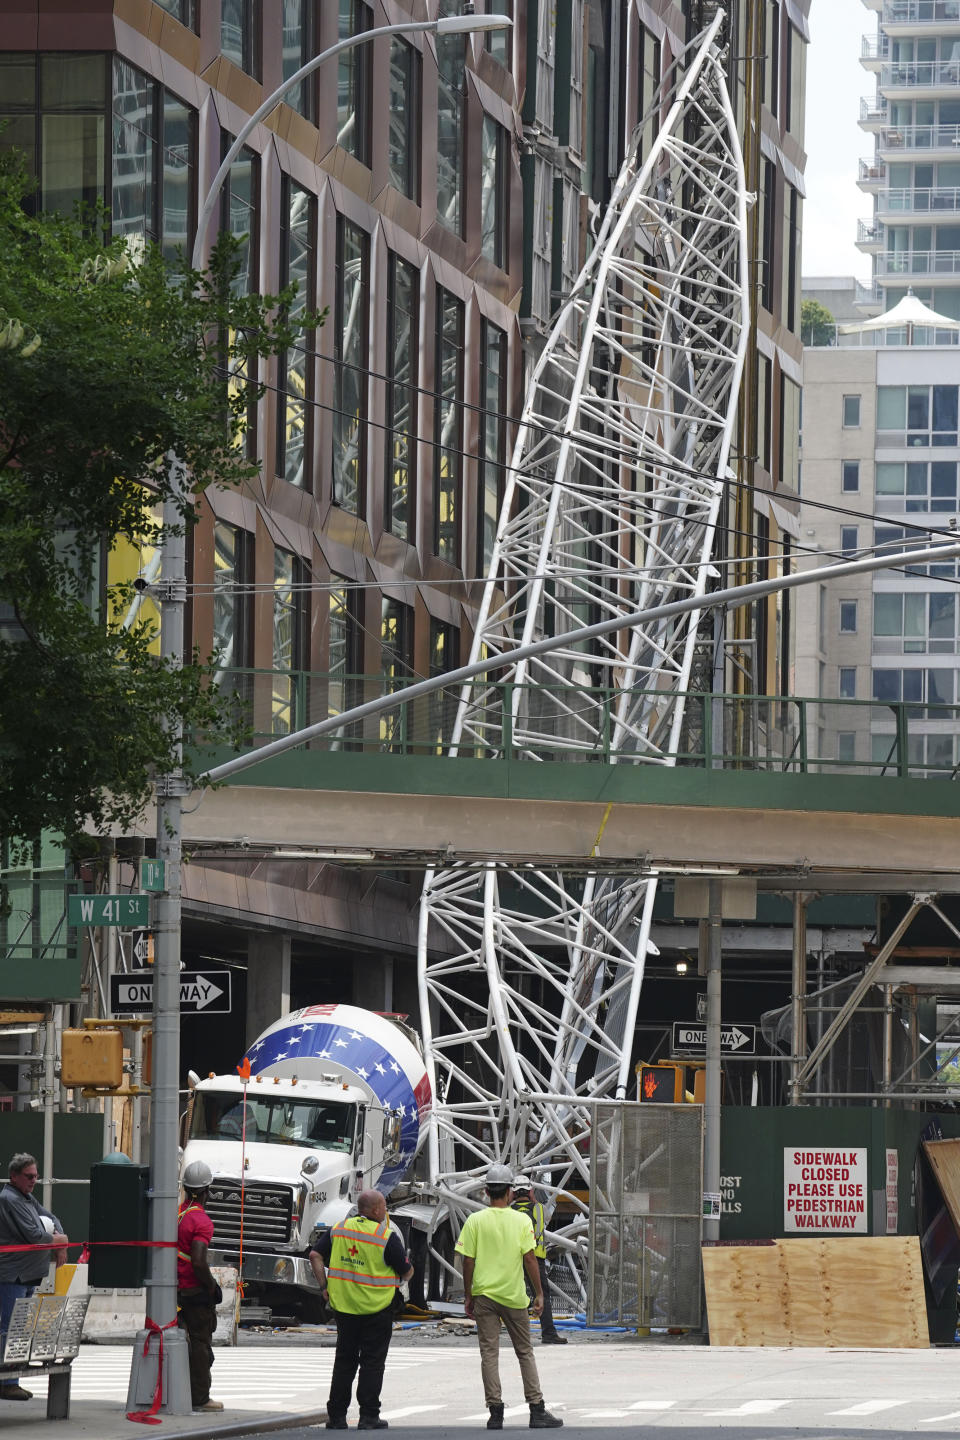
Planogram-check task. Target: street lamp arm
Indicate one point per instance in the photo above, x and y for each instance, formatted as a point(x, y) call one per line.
point(733, 596)
point(447, 25)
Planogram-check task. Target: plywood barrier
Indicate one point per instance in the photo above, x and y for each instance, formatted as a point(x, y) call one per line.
point(944, 1156)
point(849, 1291)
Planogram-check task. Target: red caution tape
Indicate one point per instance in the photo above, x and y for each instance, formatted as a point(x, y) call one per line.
point(149, 1417)
point(86, 1245)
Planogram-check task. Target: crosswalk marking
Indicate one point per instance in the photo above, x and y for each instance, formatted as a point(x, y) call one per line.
point(868, 1407)
point(510, 1411)
point(409, 1410)
point(751, 1407)
point(652, 1404)
point(951, 1415)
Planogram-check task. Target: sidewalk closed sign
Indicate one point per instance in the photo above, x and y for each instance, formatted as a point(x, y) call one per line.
point(824, 1190)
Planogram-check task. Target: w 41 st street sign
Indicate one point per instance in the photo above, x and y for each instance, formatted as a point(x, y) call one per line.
point(108, 909)
point(734, 1039)
point(204, 992)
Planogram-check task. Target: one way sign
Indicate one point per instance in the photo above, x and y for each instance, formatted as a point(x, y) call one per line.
point(204, 991)
point(734, 1039)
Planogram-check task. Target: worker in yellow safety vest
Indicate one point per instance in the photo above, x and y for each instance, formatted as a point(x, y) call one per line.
point(358, 1265)
point(527, 1204)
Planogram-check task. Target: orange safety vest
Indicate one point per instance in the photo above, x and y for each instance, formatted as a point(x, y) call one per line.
point(359, 1280)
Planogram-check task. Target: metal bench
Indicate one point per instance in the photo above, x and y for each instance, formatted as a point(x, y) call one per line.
point(43, 1339)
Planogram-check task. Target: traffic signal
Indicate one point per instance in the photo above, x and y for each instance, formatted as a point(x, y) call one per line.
point(660, 1084)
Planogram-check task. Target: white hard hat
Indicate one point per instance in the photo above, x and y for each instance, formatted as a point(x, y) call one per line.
point(197, 1175)
point(523, 1182)
point(499, 1175)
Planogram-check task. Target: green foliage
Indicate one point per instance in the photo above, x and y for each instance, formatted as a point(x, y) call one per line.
point(816, 324)
point(113, 364)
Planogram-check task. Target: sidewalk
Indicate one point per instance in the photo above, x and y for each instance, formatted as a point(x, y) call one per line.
point(105, 1420)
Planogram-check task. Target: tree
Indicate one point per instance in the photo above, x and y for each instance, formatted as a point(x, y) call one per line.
point(111, 362)
point(816, 324)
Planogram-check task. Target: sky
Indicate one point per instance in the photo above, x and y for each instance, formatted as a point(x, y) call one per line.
point(834, 141)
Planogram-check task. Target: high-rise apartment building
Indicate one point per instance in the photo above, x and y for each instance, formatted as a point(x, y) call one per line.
point(439, 197)
point(913, 173)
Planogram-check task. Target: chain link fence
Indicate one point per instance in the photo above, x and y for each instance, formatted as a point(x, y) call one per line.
point(645, 1225)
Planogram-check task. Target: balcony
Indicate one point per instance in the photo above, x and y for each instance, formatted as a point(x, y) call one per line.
point(873, 50)
point(944, 264)
point(932, 77)
point(869, 237)
point(873, 112)
point(942, 141)
point(871, 175)
point(868, 298)
point(920, 200)
point(912, 13)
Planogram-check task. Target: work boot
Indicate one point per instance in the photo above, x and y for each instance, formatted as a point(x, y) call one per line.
point(372, 1422)
point(496, 1417)
point(15, 1392)
point(553, 1337)
point(337, 1422)
point(541, 1419)
point(211, 1405)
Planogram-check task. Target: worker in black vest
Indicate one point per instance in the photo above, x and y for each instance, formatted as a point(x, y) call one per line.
point(527, 1204)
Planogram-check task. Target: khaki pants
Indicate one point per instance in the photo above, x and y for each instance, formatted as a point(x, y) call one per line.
point(488, 1314)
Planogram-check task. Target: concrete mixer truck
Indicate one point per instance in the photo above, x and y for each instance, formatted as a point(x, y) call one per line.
point(336, 1102)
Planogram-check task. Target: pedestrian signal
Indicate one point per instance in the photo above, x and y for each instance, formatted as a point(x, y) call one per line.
point(660, 1084)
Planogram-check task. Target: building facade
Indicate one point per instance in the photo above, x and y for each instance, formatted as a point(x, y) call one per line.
point(913, 173)
point(437, 197)
point(880, 462)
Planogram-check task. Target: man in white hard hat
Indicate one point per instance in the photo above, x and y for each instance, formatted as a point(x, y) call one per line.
point(497, 1246)
point(526, 1202)
point(198, 1294)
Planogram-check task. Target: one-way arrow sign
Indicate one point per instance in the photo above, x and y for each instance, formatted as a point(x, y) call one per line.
point(203, 991)
point(734, 1039)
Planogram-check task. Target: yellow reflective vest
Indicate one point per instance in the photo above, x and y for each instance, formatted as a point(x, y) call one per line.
point(534, 1209)
point(359, 1280)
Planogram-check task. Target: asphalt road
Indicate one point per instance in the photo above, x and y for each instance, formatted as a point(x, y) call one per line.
point(609, 1385)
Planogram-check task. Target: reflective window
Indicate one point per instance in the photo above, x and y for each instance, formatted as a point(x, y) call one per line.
point(232, 598)
point(493, 392)
point(848, 538)
point(238, 20)
point(848, 617)
point(403, 314)
point(449, 426)
point(239, 205)
point(295, 368)
point(350, 355)
point(403, 136)
point(498, 42)
point(344, 649)
point(72, 131)
point(451, 101)
point(297, 50)
point(493, 194)
point(182, 10)
point(353, 82)
point(851, 412)
point(396, 664)
point(288, 629)
point(153, 181)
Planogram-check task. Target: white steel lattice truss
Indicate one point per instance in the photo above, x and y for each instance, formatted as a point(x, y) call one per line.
point(612, 503)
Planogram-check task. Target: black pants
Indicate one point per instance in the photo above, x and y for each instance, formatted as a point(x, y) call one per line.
point(198, 1316)
point(547, 1325)
point(362, 1343)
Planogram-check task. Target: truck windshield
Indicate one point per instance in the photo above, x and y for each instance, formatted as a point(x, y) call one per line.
point(274, 1120)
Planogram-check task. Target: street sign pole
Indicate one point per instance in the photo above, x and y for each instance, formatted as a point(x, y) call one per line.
point(711, 1107)
point(164, 1105)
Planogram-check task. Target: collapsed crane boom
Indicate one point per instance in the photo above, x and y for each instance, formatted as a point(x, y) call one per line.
point(529, 1001)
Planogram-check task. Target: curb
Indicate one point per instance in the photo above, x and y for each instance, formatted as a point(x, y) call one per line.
point(286, 1421)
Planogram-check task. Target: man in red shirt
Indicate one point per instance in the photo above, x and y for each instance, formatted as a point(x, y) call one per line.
point(198, 1294)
